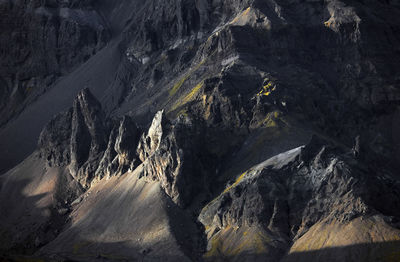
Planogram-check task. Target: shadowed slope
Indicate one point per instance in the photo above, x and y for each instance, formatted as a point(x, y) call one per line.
point(34, 200)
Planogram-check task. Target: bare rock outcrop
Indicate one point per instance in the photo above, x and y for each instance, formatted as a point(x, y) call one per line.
point(48, 39)
point(168, 153)
point(76, 138)
point(88, 137)
point(55, 138)
point(288, 194)
point(126, 143)
point(80, 138)
point(205, 113)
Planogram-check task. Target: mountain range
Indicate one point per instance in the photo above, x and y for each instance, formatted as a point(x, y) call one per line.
point(200, 130)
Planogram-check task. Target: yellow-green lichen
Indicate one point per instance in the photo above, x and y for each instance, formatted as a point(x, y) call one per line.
point(189, 97)
point(241, 15)
point(267, 89)
point(236, 182)
point(183, 113)
point(193, 93)
point(178, 85)
point(270, 120)
point(181, 81)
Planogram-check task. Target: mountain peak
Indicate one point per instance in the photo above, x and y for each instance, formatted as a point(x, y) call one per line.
point(200, 130)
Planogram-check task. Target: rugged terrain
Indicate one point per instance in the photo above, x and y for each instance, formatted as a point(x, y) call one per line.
point(258, 130)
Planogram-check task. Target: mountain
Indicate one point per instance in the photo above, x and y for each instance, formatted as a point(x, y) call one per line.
point(195, 130)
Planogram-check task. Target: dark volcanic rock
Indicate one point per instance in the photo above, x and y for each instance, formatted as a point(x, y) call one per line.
point(55, 139)
point(88, 136)
point(150, 142)
point(293, 191)
point(120, 155)
point(41, 40)
point(126, 141)
point(320, 61)
point(107, 166)
point(76, 138)
point(223, 89)
point(169, 155)
point(80, 139)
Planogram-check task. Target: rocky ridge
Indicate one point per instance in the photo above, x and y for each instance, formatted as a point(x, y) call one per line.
point(208, 121)
point(272, 205)
point(165, 151)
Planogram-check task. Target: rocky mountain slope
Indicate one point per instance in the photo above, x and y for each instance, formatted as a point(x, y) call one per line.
point(47, 39)
point(255, 130)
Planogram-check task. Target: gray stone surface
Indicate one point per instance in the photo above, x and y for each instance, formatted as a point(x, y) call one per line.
point(224, 130)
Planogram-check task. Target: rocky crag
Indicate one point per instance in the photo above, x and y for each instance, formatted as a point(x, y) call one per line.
point(203, 131)
point(40, 41)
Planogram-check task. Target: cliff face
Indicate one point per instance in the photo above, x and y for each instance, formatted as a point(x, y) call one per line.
point(41, 41)
point(202, 131)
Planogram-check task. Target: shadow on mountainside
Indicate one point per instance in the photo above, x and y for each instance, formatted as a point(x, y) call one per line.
point(18, 217)
point(30, 220)
point(31, 211)
point(373, 252)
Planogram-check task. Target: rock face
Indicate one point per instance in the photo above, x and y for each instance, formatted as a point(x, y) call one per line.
point(168, 153)
point(225, 130)
point(48, 39)
point(83, 138)
point(288, 194)
point(125, 144)
point(88, 137)
point(165, 151)
point(55, 139)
